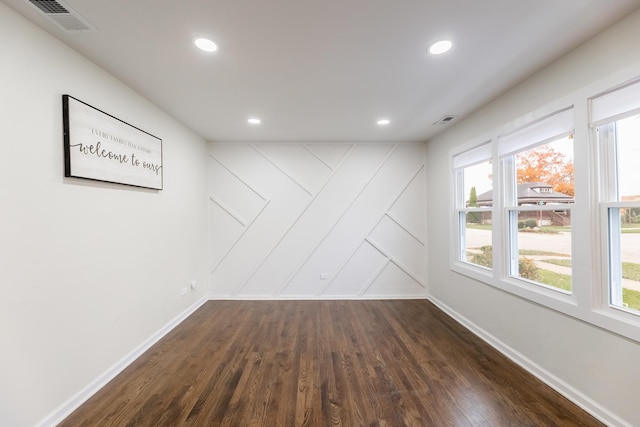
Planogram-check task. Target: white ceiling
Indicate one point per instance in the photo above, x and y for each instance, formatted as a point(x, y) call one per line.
point(326, 70)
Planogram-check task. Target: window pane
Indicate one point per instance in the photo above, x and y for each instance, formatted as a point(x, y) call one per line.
point(628, 144)
point(545, 174)
point(478, 184)
point(624, 259)
point(478, 235)
point(543, 240)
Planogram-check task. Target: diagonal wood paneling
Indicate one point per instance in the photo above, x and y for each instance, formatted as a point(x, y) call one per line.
point(289, 240)
point(331, 154)
point(400, 246)
point(408, 212)
point(233, 208)
point(236, 196)
point(351, 272)
point(299, 164)
point(392, 281)
point(286, 201)
point(324, 209)
point(357, 223)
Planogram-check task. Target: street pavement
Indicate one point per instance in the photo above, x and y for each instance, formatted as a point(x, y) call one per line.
point(559, 243)
point(555, 242)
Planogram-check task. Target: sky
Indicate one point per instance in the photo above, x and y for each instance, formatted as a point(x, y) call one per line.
point(629, 156)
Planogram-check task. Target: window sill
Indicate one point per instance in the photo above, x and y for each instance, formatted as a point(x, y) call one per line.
point(613, 320)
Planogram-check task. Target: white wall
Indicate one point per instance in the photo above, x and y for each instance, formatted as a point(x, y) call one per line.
point(596, 368)
point(88, 271)
point(284, 215)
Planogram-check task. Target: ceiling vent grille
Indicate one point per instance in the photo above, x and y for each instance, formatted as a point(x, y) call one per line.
point(445, 120)
point(63, 16)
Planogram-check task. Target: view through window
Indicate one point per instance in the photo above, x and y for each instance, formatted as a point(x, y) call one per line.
point(516, 224)
point(624, 213)
point(540, 221)
point(477, 217)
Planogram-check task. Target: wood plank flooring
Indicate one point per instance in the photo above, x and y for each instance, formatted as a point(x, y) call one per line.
point(324, 363)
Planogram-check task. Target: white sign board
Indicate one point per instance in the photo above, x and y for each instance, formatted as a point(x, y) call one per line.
point(101, 147)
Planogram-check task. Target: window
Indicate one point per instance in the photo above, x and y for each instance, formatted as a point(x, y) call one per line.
point(538, 171)
point(550, 194)
point(616, 123)
point(474, 201)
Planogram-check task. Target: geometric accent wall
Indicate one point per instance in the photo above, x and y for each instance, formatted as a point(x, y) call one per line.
point(312, 221)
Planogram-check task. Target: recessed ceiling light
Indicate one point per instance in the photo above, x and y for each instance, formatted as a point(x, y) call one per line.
point(206, 44)
point(383, 122)
point(440, 47)
point(254, 121)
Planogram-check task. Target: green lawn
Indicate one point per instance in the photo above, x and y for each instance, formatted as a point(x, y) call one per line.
point(631, 298)
point(631, 271)
point(563, 281)
point(630, 228)
point(529, 252)
point(479, 226)
point(554, 229)
point(557, 280)
point(565, 262)
point(626, 228)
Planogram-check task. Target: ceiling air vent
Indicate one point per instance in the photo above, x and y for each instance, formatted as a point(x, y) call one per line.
point(63, 16)
point(444, 120)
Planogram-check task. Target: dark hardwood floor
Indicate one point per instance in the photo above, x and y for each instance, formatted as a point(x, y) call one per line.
point(324, 363)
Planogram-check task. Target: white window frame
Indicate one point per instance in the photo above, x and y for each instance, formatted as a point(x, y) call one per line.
point(606, 110)
point(549, 129)
point(479, 153)
point(589, 301)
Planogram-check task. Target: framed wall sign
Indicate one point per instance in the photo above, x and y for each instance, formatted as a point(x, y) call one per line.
point(101, 147)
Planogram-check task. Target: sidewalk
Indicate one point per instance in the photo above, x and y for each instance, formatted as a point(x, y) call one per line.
point(539, 260)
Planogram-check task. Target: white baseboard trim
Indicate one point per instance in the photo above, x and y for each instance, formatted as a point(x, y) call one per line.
point(64, 410)
point(314, 298)
point(585, 402)
point(574, 395)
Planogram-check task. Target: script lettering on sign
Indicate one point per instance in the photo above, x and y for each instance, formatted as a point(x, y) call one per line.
point(101, 147)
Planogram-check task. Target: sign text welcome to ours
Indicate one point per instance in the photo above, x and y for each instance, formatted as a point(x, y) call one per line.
point(101, 147)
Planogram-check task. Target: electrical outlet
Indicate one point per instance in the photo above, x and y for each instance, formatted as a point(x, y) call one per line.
point(183, 291)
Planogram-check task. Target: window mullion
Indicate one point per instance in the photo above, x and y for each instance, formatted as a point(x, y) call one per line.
point(512, 233)
point(608, 150)
point(615, 258)
point(462, 236)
